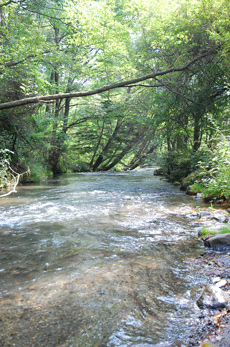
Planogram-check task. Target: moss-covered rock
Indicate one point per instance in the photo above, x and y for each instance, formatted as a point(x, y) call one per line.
point(189, 180)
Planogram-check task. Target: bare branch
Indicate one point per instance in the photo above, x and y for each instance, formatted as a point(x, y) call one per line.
point(82, 120)
point(16, 177)
point(16, 181)
point(11, 64)
point(9, 2)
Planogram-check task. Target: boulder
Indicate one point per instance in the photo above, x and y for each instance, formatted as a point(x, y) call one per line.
point(189, 180)
point(218, 242)
point(159, 172)
point(212, 297)
point(190, 191)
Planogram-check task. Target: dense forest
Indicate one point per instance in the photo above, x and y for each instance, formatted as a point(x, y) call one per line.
point(116, 84)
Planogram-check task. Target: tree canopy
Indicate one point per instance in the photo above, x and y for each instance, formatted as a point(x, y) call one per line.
point(95, 85)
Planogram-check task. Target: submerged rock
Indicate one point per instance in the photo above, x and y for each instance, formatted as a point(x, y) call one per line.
point(212, 297)
point(218, 242)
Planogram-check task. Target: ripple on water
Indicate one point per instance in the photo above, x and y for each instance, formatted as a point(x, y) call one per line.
point(97, 261)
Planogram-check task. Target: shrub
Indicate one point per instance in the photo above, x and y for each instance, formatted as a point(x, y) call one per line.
point(216, 171)
point(177, 165)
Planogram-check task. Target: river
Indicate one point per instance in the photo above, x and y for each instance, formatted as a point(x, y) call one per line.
point(98, 259)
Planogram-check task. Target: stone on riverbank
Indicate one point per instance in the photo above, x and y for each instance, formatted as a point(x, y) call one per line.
point(221, 216)
point(218, 242)
point(190, 191)
point(212, 297)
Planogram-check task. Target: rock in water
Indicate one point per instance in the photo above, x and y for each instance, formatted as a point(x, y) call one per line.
point(189, 191)
point(218, 242)
point(159, 172)
point(212, 297)
point(221, 216)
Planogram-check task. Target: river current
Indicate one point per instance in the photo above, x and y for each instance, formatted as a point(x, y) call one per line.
point(98, 259)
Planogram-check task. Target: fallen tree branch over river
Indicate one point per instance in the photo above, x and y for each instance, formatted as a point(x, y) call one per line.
point(127, 83)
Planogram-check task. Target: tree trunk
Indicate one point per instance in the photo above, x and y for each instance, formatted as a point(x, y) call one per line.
point(97, 146)
point(107, 146)
point(196, 132)
point(118, 158)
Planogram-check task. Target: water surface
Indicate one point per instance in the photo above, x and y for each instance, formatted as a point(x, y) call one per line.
point(97, 259)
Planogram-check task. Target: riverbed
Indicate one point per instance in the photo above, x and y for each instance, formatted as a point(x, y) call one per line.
point(98, 259)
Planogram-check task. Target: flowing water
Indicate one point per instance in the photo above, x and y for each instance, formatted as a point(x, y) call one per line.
point(97, 259)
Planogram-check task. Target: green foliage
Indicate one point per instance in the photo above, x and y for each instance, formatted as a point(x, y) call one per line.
point(36, 174)
point(190, 180)
point(70, 163)
point(212, 174)
point(197, 187)
point(53, 47)
point(177, 165)
point(216, 170)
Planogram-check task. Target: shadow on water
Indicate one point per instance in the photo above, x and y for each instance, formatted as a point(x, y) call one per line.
point(95, 259)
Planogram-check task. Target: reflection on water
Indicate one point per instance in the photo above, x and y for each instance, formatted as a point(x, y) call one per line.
point(96, 259)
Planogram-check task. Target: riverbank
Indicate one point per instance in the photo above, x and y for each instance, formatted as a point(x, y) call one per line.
point(213, 327)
